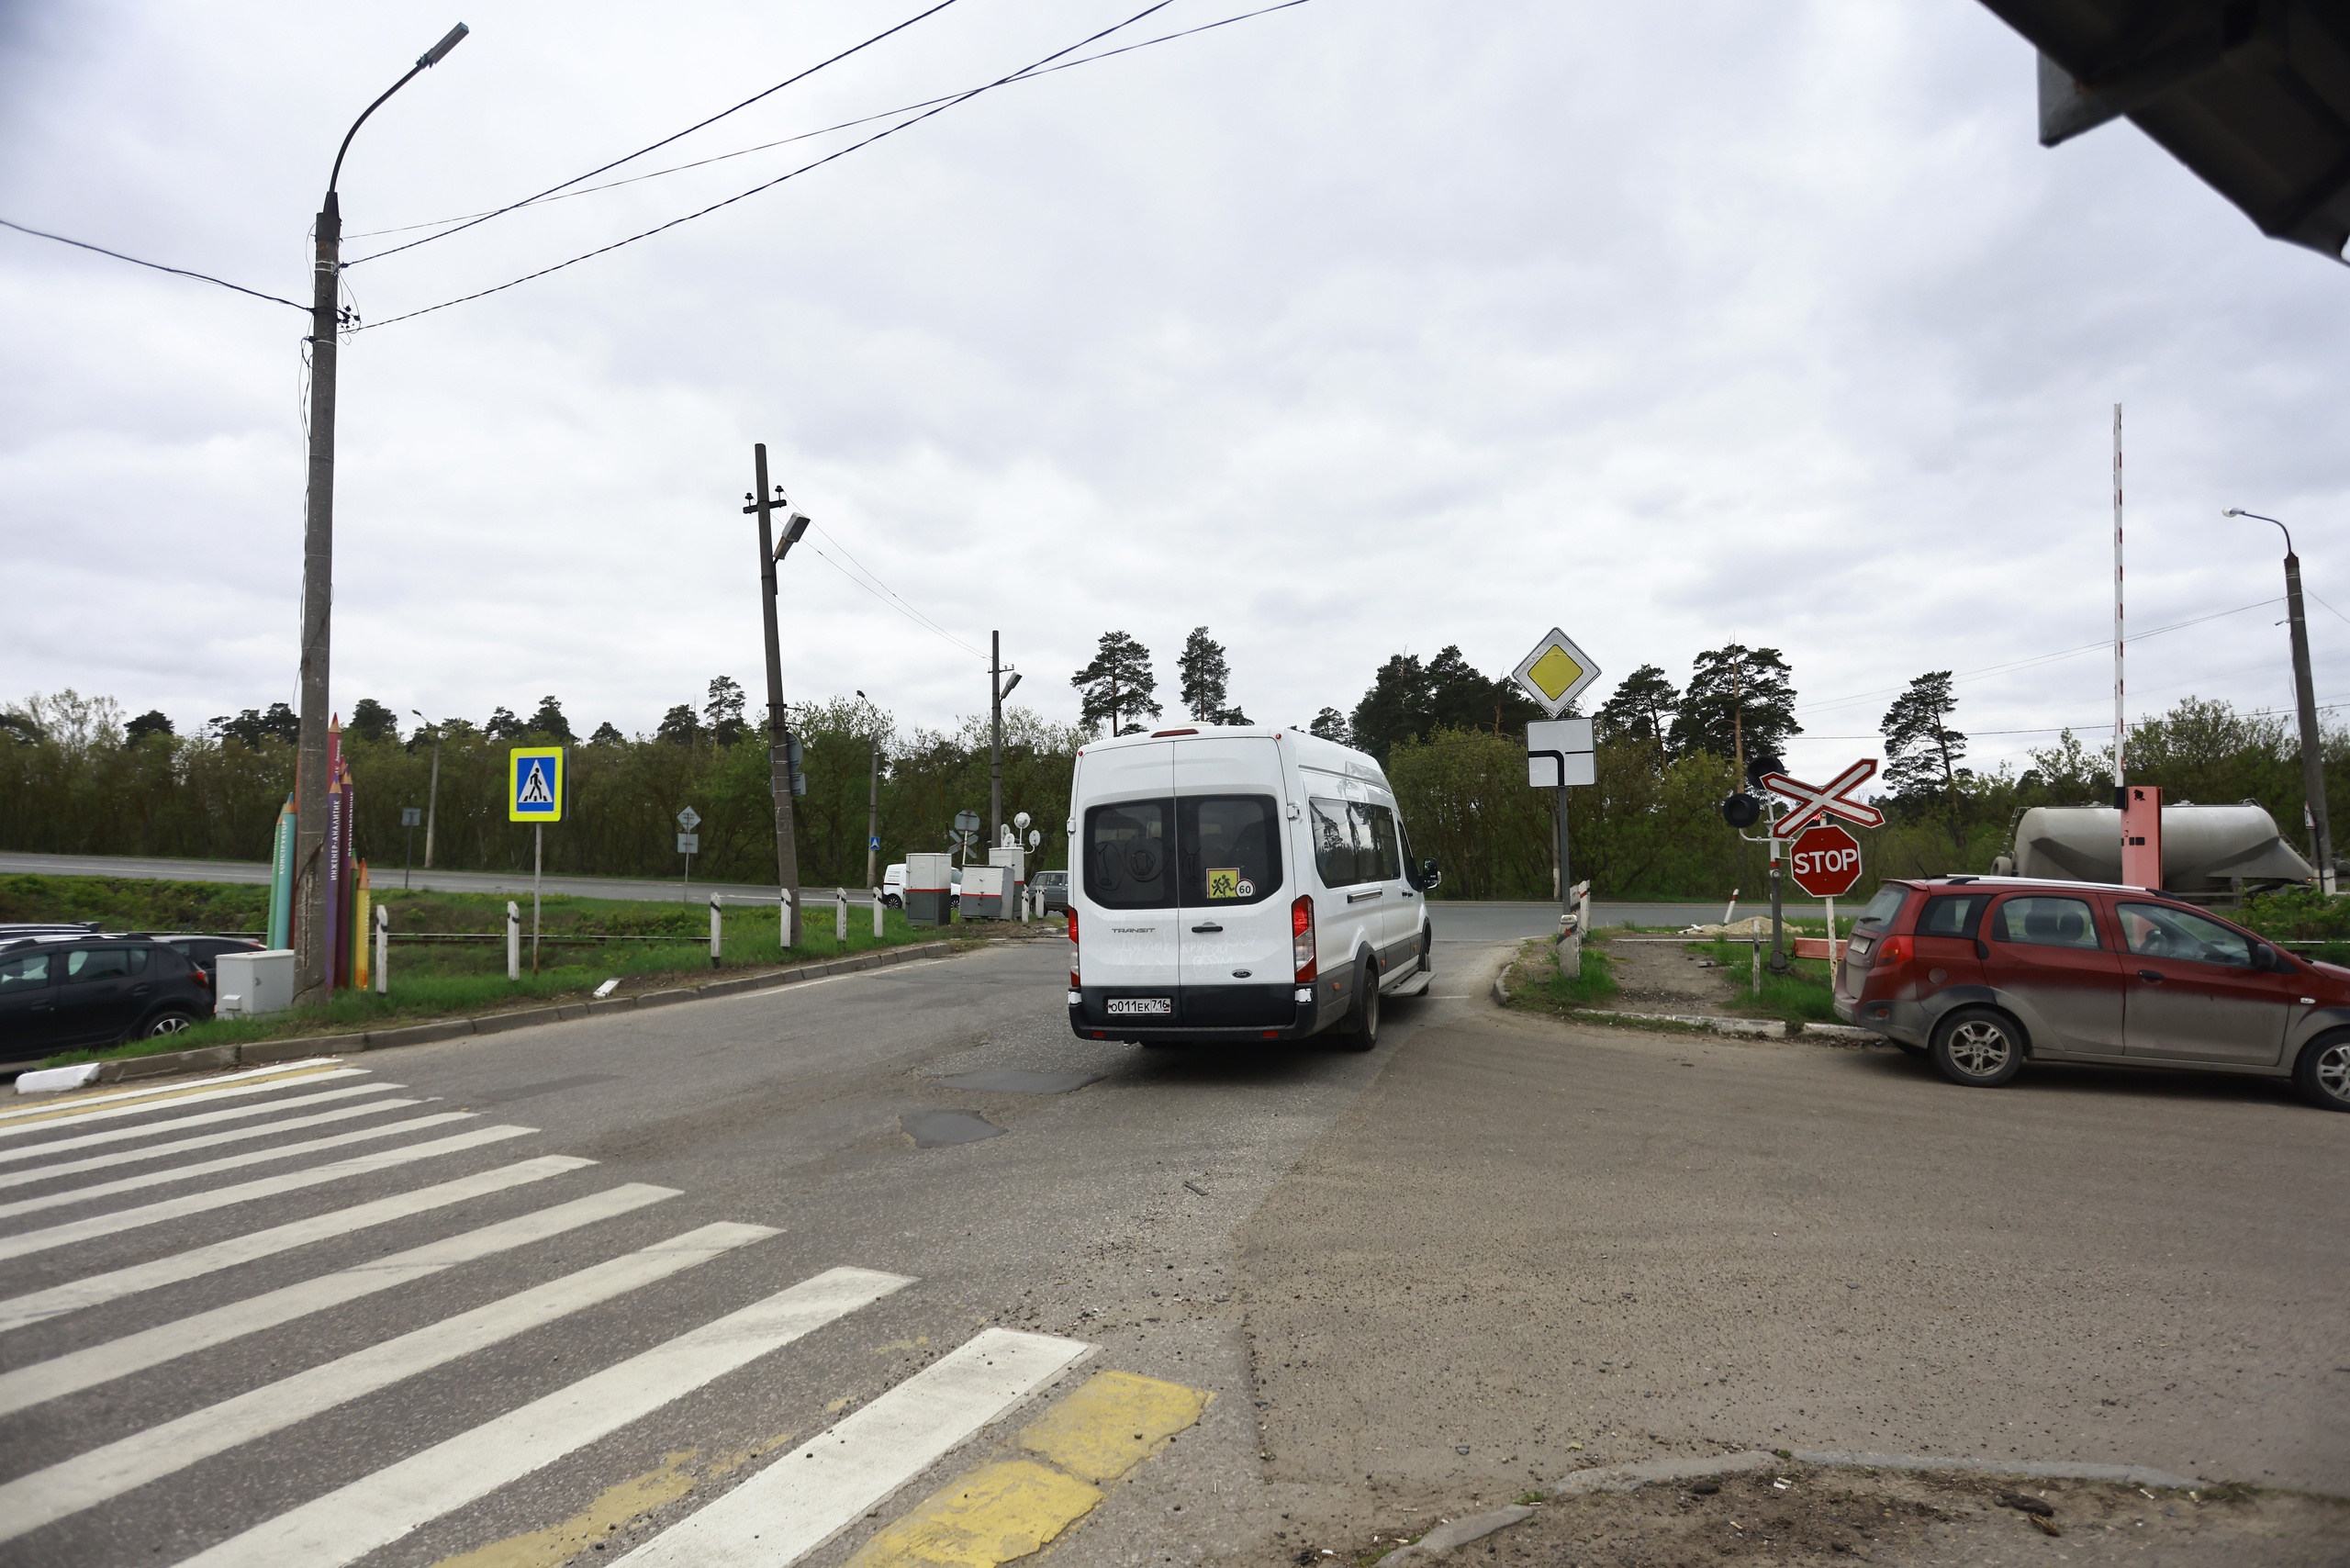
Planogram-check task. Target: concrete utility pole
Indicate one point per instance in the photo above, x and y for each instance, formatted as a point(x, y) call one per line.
point(2305, 696)
point(779, 769)
point(2121, 725)
point(872, 805)
point(312, 976)
point(432, 795)
point(998, 690)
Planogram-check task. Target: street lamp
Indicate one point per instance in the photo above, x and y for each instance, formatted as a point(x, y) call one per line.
point(2305, 694)
point(433, 799)
point(311, 976)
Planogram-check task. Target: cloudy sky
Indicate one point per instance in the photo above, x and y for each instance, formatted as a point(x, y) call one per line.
point(1369, 326)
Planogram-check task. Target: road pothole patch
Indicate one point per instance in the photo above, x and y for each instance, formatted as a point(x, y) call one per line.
point(941, 1129)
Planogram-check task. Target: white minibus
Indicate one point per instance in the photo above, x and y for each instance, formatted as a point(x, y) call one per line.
point(1238, 883)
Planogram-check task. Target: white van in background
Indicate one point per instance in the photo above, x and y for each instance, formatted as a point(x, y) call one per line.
point(1240, 884)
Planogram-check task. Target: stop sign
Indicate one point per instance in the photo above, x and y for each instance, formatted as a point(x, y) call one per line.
point(1826, 861)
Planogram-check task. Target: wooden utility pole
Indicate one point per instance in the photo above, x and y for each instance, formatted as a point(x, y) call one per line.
point(779, 767)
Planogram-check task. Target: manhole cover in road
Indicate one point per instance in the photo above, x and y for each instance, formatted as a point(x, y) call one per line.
point(1021, 1081)
point(936, 1129)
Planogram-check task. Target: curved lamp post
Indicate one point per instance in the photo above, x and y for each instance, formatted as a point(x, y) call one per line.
point(311, 976)
point(2305, 695)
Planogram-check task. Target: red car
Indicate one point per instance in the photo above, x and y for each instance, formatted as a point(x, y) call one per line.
point(1981, 973)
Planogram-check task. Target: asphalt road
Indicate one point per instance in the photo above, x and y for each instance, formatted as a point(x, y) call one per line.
point(1400, 1253)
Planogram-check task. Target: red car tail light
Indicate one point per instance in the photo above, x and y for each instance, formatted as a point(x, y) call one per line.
point(1891, 951)
point(1300, 932)
point(1073, 948)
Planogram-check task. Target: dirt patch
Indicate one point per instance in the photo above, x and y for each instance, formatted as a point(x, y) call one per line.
point(1797, 1515)
point(1666, 977)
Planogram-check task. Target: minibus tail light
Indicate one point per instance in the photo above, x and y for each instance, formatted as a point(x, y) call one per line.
point(1072, 947)
point(1301, 932)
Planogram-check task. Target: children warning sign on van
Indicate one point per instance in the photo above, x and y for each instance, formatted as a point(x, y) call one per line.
point(1228, 883)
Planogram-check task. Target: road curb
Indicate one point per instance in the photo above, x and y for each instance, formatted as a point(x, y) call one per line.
point(262, 1052)
point(1751, 1028)
point(1632, 1477)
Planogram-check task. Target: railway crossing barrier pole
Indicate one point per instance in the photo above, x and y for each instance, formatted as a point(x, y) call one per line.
point(513, 940)
point(383, 951)
point(716, 931)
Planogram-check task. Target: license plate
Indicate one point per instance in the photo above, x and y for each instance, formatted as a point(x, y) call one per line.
point(1148, 1006)
point(1858, 947)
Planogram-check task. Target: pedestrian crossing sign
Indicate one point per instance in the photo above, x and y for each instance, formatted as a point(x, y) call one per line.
point(534, 784)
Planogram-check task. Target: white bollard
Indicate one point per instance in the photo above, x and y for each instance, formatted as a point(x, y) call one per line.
point(782, 921)
point(513, 940)
point(715, 931)
point(383, 951)
point(879, 906)
point(840, 919)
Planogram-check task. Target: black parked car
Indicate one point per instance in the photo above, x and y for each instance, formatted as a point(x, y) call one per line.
point(62, 992)
point(204, 951)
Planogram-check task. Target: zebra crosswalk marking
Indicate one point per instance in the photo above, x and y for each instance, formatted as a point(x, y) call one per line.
point(201, 1119)
point(266, 1187)
point(227, 1162)
point(202, 1140)
point(87, 1479)
point(351, 1521)
point(809, 1496)
point(95, 1364)
point(40, 1307)
point(134, 1101)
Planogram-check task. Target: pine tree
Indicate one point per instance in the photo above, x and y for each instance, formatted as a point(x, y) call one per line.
point(1331, 725)
point(155, 721)
point(1922, 753)
point(1204, 676)
point(1116, 686)
point(679, 726)
point(1740, 703)
point(724, 711)
point(503, 726)
point(1643, 708)
point(370, 721)
point(548, 722)
point(605, 733)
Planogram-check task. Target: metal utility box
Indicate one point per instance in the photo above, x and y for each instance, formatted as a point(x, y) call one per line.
point(1015, 895)
point(929, 884)
point(986, 892)
point(253, 983)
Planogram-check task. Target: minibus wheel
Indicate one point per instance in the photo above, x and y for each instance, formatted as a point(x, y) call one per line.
point(1359, 1030)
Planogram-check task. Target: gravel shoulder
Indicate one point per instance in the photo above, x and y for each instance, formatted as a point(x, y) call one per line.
point(1536, 1246)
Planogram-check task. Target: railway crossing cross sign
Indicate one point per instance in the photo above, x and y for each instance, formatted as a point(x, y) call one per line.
point(1817, 802)
point(1825, 861)
point(1555, 673)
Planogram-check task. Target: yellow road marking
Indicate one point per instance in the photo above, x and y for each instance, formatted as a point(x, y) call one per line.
point(994, 1515)
point(1013, 1507)
point(612, 1507)
point(160, 1096)
point(1112, 1424)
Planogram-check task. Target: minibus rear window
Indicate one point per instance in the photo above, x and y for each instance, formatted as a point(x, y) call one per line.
point(1231, 849)
point(1127, 854)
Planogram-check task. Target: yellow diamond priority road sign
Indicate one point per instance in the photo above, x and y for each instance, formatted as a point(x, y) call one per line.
point(1556, 672)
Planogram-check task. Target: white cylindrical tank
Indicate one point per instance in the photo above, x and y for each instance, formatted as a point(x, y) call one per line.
point(2205, 848)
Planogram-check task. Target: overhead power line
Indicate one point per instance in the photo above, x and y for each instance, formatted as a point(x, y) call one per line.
point(713, 120)
point(561, 192)
point(2030, 660)
point(158, 266)
point(769, 185)
point(864, 578)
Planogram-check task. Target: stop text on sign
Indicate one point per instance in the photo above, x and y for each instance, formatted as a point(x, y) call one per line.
point(1824, 863)
point(1825, 860)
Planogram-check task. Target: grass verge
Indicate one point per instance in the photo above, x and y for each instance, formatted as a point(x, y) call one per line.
point(1536, 984)
point(1804, 994)
point(435, 981)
